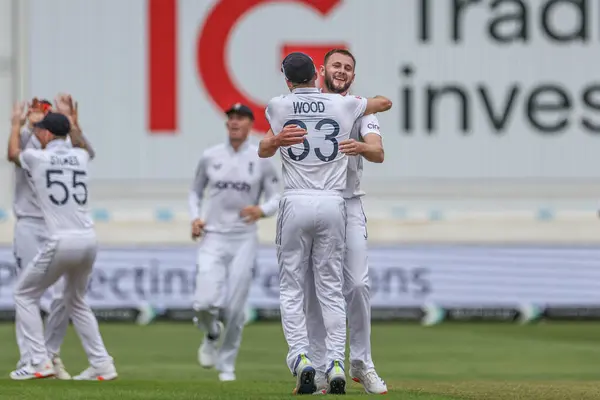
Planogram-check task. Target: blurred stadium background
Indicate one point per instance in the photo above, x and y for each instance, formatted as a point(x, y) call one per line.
point(485, 207)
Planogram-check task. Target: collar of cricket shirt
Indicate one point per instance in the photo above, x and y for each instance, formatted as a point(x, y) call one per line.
point(56, 143)
point(241, 149)
point(306, 90)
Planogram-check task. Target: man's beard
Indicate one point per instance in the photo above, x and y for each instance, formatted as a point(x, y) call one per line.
point(332, 89)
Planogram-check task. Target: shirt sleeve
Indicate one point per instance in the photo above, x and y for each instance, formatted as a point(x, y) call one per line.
point(271, 114)
point(356, 105)
point(28, 159)
point(197, 189)
point(270, 188)
point(25, 136)
point(369, 124)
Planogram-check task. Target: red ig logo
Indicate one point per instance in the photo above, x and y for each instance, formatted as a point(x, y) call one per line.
point(210, 58)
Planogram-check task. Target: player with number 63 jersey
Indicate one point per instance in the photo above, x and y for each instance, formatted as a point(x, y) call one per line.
point(312, 213)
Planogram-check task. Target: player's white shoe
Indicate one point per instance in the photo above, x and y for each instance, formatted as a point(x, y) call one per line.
point(60, 370)
point(372, 383)
point(305, 376)
point(209, 349)
point(227, 377)
point(105, 372)
point(336, 378)
point(28, 371)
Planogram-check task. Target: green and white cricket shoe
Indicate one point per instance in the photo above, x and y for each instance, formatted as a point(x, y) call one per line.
point(336, 378)
point(305, 375)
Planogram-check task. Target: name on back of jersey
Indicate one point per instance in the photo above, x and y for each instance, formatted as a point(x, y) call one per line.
point(64, 160)
point(308, 107)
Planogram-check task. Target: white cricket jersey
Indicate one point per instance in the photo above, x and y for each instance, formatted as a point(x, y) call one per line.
point(317, 163)
point(25, 203)
point(59, 176)
point(365, 125)
point(227, 181)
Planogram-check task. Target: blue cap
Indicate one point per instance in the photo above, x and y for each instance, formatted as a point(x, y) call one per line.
point(58, 124)
point(298, 68)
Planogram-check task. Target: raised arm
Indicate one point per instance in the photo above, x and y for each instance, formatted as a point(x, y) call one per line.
point(66, 105)
point(290, 135)
point(268, 145)
point(14, 141)
point(377, 104)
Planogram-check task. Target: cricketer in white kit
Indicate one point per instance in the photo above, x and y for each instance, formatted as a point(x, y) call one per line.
point(311, 225)
point(338, 72)
point(30, 233)
point(59, 176)
point(229, 183)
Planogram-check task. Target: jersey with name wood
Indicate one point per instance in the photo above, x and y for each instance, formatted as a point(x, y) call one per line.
point(317, 163)
point(366, 125)
point(59, 177)
point(227, 181)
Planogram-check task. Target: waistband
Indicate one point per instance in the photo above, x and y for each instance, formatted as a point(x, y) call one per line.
point(31, 220)
point(312, 192)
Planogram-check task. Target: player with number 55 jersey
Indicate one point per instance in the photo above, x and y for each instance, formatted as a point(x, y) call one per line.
point(59, 178)
point(312, 213)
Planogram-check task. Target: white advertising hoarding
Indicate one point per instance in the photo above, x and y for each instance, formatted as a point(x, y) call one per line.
point(480, 88)
point(400, 277)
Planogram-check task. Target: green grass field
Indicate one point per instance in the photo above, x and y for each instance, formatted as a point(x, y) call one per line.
point(453, 361)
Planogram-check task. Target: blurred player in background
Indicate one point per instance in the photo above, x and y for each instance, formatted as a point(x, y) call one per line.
point(338, 74)
point(58, 173)
point(31, 233)
point(312, 217)
point(234, 178)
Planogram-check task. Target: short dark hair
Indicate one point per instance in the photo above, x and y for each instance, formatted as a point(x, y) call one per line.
point(339, 51)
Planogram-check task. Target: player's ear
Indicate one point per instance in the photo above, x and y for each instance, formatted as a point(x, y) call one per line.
point(322, 70)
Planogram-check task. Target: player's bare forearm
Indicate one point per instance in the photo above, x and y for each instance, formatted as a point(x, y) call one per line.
point(267, 146)
point(372, 149)
point(77, 139)
point(377, 104)
point(14, 143)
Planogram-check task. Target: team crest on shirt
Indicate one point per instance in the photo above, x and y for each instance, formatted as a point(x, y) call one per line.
point(250, 167)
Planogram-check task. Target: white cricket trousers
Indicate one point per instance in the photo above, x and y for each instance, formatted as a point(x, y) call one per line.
point(356, 293)
point(70, 254)
point(29, 237)
point(311, 230)
point(225, 269)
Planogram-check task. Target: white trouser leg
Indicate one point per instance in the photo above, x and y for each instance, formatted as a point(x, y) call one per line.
point(314, 324)
point(356, 286)
point(327, 259)
point(41, 273)
point(210, 294)
point(29, 238)
point(83, 249)
point(295, 226)
point(239, 280)
point(57, 321)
